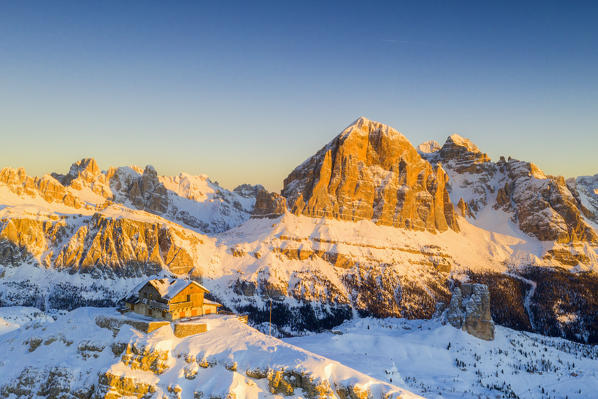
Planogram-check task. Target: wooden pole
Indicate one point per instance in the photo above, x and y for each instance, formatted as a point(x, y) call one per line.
point(270, 325)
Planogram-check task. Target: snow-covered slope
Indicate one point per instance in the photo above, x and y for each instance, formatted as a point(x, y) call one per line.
point(439, 361)
point(90, 353)
point(13, 317)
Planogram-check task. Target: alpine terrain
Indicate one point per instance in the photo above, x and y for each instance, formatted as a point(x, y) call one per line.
point(369, 227)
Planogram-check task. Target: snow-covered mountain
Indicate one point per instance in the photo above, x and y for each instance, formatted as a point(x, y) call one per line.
point(586, 190)
point(368, 226)
point(192, 201)
point(92, 353)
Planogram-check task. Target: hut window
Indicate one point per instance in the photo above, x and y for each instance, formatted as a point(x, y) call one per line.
point(188, 298)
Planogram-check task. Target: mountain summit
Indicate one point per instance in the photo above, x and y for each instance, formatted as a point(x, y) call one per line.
point(371, 171)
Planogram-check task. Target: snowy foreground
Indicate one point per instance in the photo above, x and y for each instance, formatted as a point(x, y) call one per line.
point(89, 353)
point(84, 352)
point(439, 361)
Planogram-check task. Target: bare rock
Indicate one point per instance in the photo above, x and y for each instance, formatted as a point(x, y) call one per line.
point(248, 190)
point(545, 207)
point(465, 154)
point(268, 205)
point(469, 310)
point(370, 171)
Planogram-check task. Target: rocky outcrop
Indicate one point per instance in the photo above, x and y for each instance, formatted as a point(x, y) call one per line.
point(371, 171)
point(147, 192)
point(585, 191)
point(269, 205)
point(194, 201)
point(462, 153)
point(101, 245)
point(469, 310)
point(543, 206)
point(46, 187)
point(248, 190)
point(86, 170)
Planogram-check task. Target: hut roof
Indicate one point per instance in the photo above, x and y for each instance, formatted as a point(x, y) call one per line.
point(168, 288)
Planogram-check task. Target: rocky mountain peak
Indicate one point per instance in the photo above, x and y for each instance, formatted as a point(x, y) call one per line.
point(248, 190)
point(460, 141)
point(85, 170)
point(371, 171)
point(428, 147)
point(87, 165)
point(268, 205)
point(365, 126)
point(461, 153)
point(150, 171)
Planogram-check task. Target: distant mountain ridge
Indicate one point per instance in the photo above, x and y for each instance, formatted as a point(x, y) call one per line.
point(194, 201)
point(368, 224)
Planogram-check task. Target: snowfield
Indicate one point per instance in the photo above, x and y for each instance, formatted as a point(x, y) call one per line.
point(13, 317)
point(399, 357)
point(87, 352)
point(439, 361)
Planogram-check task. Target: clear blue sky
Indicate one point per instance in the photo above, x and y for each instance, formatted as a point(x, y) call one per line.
point(246, 91)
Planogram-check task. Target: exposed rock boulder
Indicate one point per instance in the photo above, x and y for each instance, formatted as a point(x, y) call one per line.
point(371, 171)
point(469, 310)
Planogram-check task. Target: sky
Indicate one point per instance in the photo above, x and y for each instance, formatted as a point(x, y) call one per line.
point(246, 91)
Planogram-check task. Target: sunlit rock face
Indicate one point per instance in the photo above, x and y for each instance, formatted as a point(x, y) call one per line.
point(98, 245)
point(543, 206)
point(194, 201)
point(370, 171)
point(46, 187)
point(268, 205)
point(86, 237)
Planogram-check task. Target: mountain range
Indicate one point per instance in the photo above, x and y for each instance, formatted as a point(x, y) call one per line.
point(370, 225)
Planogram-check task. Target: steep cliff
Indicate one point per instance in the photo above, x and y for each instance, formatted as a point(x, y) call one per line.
point(372, 172)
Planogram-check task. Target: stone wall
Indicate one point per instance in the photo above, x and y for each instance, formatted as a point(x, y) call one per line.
point(185, 329)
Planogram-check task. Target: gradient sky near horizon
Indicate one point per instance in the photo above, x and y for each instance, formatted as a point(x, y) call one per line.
point(245, 91)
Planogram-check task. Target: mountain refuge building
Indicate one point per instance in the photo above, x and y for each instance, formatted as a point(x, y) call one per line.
point(170, 299)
